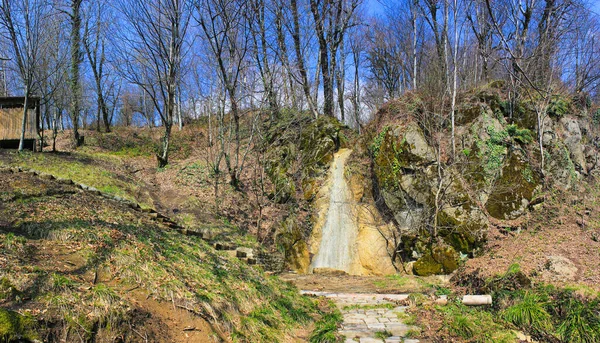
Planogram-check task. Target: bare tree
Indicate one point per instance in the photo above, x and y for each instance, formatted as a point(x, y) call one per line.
point(154, 48)
point(332, 19)
point(23, 24)
point(94, 43)
point(223, 24)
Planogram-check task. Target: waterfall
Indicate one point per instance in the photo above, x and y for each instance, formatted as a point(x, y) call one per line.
point(337, 249)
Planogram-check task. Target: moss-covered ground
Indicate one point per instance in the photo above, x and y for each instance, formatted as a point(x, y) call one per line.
point(71, 262)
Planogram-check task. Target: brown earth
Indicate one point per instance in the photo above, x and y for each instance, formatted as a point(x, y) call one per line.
point(339, 283)
point(567, 225)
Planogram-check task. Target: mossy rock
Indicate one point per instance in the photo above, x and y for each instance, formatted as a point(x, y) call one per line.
point(514, 188)
point(7, 290)
point(320, 140)
point(426, 266)
point(397, 151)
point(296, 135)
point(524, 115)
point(468, 113)
point(559, 165)
point(465, 232)
point(290, 239)
point(15, 327)
point(441, 260)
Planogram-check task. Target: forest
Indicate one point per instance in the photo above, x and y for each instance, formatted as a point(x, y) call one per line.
point(314, 171)
point(99, 64)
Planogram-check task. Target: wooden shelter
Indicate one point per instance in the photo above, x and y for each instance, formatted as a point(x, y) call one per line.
point(11, 121)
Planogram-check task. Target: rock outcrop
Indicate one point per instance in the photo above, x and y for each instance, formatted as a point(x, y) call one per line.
point(441, 207)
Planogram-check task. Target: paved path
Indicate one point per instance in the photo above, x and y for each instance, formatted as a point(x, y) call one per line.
point(367, 314)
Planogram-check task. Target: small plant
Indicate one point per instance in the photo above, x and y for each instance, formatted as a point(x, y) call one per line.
point(376, 145)
point(383, 334)
point(596, 117)
point(529, 313)
point(581, 323)
point(559, 106)
point(524, 136)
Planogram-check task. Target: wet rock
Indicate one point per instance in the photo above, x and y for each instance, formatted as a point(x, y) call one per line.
point(329, 271)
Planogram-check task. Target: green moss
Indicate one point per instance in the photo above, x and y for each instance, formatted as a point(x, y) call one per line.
point(427, 265)
point(518, 182)
point(15, 327)
point(559, 106)
point(447, 257)
point(461, 235)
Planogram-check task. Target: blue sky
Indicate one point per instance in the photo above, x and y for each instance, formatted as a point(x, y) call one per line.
point(374, 6)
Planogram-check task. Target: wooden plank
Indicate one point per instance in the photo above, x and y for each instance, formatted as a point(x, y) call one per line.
point(11, 120)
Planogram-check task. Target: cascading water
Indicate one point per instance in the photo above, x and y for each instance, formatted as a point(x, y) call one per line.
point(337, 249)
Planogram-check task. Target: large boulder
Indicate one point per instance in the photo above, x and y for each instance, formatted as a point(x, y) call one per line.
point(441, 259)
point(514, 188)
point(571, 136)
point(407, 182)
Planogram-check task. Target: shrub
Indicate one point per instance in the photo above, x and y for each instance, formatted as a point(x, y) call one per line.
point(558, 106)
point(529, 313)
point(524, 136)
point(596, 117)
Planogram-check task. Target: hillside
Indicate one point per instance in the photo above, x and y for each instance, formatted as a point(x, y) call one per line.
point(128, 252)
point(76, 266)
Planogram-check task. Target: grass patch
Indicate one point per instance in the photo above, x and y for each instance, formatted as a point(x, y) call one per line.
point(82, 168)
point(326, 328)
point(176, 269)
point(529, 312)
point(383, 334)
point(474, 325)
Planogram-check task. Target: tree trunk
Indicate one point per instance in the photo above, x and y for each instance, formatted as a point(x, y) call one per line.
point(300, 59)
point(24, 121)
point(75, 64)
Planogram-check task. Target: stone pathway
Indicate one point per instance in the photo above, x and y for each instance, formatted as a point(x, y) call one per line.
point(365, 315)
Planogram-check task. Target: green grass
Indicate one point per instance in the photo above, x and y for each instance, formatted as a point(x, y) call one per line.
point(326, 328)
point(383, 334)
point(474, 325)
point(581, 323)
point(529, 312)
point(81, 167)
